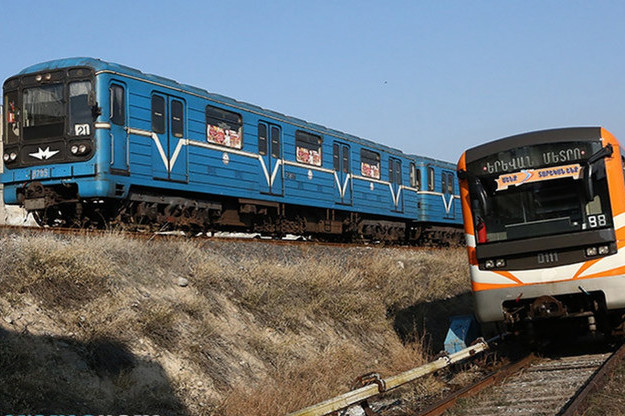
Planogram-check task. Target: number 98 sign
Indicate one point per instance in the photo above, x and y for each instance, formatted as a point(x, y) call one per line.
point(595, 221)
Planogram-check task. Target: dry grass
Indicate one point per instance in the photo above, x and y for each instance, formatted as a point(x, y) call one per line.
point(259, 330)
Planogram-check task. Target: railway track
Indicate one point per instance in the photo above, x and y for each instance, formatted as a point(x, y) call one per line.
point(536, 386)
point(224, 237)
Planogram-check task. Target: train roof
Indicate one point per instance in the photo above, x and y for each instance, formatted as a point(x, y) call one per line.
point(102, 66)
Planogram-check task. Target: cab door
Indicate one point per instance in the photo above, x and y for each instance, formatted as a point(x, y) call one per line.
point(169, 153)
point(271, 177)
point(342, 173)
point(395, 183)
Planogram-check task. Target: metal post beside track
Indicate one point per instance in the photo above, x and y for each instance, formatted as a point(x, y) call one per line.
point(384, 385)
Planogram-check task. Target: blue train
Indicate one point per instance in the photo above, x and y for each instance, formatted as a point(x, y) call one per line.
point(91, 143)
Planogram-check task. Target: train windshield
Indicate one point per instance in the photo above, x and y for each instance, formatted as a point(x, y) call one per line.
point(48, 111)
point(43, 112)
point(513, 205)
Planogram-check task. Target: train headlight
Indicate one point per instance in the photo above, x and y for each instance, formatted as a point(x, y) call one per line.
point(591, 251)
point(500, 263)
point(489, 264)
point(6, 157)
point(13, 156)
point(82, 149)
point(604, 250)
point(74, 149)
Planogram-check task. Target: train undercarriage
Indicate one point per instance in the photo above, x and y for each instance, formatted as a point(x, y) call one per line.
point(142, 209)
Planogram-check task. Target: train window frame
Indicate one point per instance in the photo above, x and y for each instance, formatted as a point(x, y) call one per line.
point(117, 113)
point(308, 148)
point(431, 179)
point(158, 118)
point(223, 127)
point(369, 164)
point(177, 118)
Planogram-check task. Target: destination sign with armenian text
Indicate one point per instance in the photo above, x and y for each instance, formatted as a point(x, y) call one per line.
point(537, 175)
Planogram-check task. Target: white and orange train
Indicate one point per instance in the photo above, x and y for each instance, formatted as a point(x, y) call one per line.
point(544, 217)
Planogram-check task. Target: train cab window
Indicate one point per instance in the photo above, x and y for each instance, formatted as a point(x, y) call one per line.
point(118, 105)
point(224, 127)
point(262, 139)
point(308, 148)
point(430, 179)
point(370, 164)
point(158, 114)
point(177, 118)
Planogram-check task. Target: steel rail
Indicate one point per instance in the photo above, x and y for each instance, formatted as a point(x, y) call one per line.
point(494, 377)
point(384, 385)
point(580, 402)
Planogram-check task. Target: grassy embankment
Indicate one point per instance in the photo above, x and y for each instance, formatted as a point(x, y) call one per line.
point(106, 324)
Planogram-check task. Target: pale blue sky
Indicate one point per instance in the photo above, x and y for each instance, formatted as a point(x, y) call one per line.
point(427, 77)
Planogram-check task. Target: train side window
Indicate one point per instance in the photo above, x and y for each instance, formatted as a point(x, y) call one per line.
point(370, 164)
point(413, 175)
point(443, 183)
point(177, 118)
point(346, 159)
point(336, 157)
point(262, 139)
point(430, 179)
point(391, 173)
point(450, 183)
point(158, 114)
point(224, 127)
point(398, 171)
point(11, 117)
point(418, 184)
point(275, 142)
point(118, 105)
point(308, 148)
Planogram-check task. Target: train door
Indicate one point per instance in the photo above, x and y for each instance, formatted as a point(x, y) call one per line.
point(117, 118)
point(271, 180)
point(395, 183)
point(448, 193)
point(169, 155)
point(342, 173)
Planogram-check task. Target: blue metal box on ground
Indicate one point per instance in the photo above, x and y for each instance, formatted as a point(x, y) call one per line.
point(463, 330)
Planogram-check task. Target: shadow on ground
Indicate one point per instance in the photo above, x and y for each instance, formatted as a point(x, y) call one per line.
point(429, 321)
point(57, 375)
